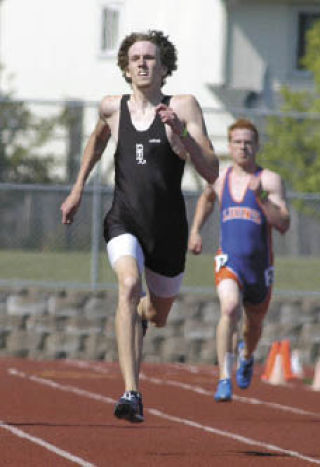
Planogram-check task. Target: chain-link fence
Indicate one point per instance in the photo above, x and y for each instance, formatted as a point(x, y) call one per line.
point(36, 248)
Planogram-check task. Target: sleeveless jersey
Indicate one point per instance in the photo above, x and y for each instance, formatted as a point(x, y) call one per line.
point(245, 236)
point(148, 200)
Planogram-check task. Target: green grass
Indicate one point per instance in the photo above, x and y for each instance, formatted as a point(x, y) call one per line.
point(292, 273)
point(52, 266)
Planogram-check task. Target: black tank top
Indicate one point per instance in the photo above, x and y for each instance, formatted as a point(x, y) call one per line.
point(148, 200)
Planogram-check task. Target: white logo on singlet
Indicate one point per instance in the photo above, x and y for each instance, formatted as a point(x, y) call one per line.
point(139, 154)
point(220, 261)
point(269, 276)
point(154, 140)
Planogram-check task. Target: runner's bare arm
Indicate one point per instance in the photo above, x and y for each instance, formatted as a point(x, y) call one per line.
point(93, 151)
point(187, 123)
point(271, 192)
point(204, 208)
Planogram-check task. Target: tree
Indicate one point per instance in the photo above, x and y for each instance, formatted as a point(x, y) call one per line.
point(22, 137)
point(293, 142)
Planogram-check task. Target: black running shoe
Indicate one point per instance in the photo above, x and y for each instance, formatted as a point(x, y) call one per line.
point(129, 407)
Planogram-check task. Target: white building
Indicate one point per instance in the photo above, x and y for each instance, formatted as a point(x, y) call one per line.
point(231, 53)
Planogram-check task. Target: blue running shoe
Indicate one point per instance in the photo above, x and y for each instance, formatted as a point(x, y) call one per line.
point(245, 369)
point(224, 391)
point(129, 407)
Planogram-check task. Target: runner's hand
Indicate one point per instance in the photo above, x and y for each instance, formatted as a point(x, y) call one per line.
point(70, 206)
point(195, 243)
point(255, 185)
point(169, 117)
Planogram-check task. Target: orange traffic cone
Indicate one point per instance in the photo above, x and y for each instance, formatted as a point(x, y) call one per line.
point(316, 378)
point(275, 348)
point(286, 356)
point(277, 376)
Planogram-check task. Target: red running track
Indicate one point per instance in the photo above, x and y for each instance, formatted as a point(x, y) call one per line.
point(60, 413)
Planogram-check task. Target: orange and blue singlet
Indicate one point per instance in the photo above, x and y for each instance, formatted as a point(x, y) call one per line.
point(245, 252)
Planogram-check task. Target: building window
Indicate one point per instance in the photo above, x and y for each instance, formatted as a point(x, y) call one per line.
point(305, 22)
point(110, 15)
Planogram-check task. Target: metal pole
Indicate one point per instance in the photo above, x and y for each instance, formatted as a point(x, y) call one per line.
point(96, 229)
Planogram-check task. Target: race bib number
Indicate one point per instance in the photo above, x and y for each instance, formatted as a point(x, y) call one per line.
point(269, 276)
point(220, 261)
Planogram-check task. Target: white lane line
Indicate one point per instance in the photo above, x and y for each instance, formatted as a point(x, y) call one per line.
point(50, 447)
point(204, 392)
point(158, 413)
point(241, 439)
point(246, 400)
point(62, 387)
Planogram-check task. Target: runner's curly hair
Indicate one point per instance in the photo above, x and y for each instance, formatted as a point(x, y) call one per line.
point(168, 53)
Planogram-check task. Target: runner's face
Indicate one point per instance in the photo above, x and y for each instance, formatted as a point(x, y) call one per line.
point(243, 146)
point(144, 65)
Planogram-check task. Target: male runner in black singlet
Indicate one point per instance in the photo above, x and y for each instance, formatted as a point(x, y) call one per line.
point(146, 227)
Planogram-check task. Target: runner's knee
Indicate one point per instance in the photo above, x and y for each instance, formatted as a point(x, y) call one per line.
point(129, 288)
point(231, 310)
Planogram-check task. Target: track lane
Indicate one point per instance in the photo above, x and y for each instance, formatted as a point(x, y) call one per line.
point(85, 425)
point(291, 425)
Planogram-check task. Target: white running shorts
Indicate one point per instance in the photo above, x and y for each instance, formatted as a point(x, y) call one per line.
point(128, 245)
